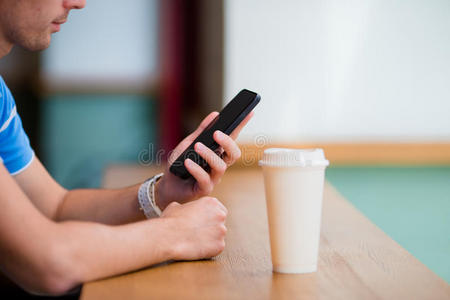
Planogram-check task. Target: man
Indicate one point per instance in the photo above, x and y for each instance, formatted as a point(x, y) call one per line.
point(51, 239)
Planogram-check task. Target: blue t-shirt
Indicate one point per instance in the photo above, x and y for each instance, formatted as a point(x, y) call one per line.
point(15, 150)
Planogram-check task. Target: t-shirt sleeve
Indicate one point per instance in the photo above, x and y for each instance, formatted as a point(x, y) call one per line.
point(15, 150)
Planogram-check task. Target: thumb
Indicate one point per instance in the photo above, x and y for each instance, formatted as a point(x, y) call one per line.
point(172, 205)
point(206, 121)
point(190, 138)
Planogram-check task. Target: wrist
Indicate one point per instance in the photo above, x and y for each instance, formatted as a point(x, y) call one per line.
point(160, 198)
point(172, 237)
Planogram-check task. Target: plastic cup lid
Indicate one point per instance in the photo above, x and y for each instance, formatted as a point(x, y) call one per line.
point(285, 157)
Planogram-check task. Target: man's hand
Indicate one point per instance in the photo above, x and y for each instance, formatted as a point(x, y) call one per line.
point(172, 188)
point(199, 227)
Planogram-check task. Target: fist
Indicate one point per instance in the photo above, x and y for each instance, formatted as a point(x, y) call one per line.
point(199, 227)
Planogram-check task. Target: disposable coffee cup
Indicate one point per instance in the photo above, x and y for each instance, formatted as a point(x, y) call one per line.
point(293, 182)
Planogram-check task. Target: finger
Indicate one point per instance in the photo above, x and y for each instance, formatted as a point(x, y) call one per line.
point(208, 119)
point(190, 138)
point(244, 122)
point(217, 202)
point(201, 176)
point(173, 155)
point(218, 166)
point(232, 151)
point(221, 206)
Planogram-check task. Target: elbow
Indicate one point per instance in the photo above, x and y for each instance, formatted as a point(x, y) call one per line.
point(57, 215)
point(55, 275)
point(47, 284)
point(51, 285)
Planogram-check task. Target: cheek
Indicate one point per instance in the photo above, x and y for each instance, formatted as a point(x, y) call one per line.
point(43, 21)
point(33, 23)
point(39, 18)
point(32, 30)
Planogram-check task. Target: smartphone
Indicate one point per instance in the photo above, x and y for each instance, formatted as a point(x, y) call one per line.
point(226, 121)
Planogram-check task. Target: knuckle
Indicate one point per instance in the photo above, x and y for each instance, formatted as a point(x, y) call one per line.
point(229, 139)
point(221, 246)
point(211, 200)
point(223, 167)
point(238, 153)
point(225, 211)
point(223, 229)
point(221, 215)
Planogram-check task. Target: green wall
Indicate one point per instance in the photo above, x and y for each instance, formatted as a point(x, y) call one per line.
point(410, 204)
point(81, 134)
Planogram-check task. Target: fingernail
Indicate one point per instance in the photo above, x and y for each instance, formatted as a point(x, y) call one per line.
point(219, 134)
point(200, 146)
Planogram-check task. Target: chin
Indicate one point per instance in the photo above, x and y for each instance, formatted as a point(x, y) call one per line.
point(37, 44)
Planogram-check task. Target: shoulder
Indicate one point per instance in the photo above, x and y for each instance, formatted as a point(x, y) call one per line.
point(15, 150)
point(7, 104)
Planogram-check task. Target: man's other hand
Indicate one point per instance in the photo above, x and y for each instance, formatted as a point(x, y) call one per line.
point(198, 227)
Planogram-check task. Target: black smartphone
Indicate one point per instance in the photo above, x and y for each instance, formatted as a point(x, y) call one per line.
point(226, 121)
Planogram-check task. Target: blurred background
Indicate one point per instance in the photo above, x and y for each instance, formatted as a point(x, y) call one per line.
point(368, 81)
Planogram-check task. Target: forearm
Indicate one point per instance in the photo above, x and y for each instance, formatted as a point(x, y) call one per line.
point(102, 251)
point(50, 257)
point(112, 207)
point(67, 254)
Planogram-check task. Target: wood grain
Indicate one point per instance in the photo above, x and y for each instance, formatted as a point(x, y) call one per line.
point(357, 260)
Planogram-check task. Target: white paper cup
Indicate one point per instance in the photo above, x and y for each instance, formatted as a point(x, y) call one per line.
point(293, 181)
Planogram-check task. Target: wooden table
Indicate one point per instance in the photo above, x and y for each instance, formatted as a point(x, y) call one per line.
point(357, 260)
